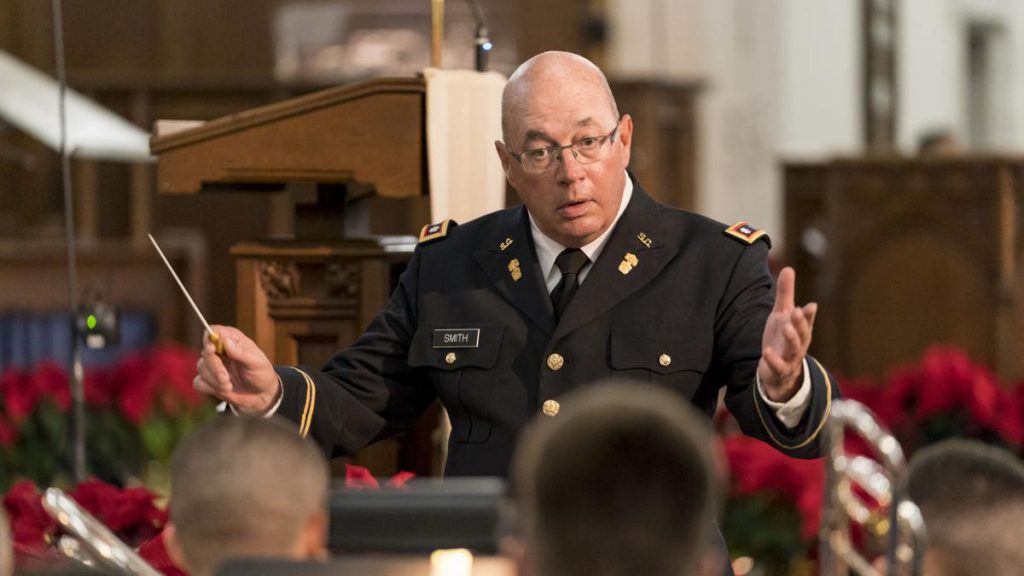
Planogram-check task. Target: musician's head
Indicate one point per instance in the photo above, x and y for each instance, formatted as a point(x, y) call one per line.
point(971, 496)
point(620, 482)
point(247, 487)
point(557, 99)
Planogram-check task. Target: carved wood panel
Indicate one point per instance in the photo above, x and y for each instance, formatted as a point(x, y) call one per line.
point(302, 302)
point(908, 253)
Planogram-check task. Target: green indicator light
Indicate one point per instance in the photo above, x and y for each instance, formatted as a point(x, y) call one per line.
point(90, 321)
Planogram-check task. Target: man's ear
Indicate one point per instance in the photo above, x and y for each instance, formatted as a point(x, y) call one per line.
point(314, 537)
point(515, 550)
point(626, 135)
point(505, 159)
point(173, 546)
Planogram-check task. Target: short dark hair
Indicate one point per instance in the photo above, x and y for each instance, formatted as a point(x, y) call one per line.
point(620, 482)
point(244, 486)
point(971, 496)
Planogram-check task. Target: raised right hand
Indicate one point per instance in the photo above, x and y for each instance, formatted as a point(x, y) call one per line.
point(243, 377)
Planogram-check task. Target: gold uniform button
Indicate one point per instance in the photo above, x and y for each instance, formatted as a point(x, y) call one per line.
point(551, 407)
point(664, 360)
point(555, 362)
point(449, 358)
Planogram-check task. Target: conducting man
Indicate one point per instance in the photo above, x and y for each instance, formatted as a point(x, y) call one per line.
point(588, 278)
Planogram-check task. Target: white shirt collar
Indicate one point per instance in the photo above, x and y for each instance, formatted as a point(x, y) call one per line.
point(548, 249)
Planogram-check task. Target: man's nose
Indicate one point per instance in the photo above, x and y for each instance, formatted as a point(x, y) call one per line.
point(569, 167)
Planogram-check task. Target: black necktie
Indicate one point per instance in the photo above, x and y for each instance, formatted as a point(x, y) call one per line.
point(570, 262)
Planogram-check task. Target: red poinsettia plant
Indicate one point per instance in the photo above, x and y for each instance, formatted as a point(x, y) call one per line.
point(136, 410)
point(130, 513)
point(944, 395)
point(774, 506)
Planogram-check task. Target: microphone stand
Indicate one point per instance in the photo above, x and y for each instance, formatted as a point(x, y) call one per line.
point(76, 375)
point(482, 41)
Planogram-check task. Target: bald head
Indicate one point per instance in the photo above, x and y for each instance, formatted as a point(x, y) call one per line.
point(550, 71)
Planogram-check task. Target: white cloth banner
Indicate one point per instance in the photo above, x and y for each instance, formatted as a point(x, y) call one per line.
point(463, 121)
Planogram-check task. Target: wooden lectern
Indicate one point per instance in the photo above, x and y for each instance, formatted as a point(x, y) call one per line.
point(905, 253)
point(353, 162)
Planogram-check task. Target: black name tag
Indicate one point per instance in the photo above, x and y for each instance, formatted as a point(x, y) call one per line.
point(456, 338)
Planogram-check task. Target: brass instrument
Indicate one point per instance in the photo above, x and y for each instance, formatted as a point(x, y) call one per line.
point(92, 542)
point(900, 524)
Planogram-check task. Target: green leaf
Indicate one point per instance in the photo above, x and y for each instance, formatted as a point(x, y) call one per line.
point(157, 435)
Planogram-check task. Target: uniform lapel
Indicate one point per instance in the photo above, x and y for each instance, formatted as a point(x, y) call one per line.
point(636, 252)
point(510, 262)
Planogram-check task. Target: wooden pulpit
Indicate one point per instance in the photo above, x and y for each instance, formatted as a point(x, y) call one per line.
point(905, 253)
point(351, 161)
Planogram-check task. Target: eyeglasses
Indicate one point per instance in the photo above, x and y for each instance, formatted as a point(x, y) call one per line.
point(585, 150)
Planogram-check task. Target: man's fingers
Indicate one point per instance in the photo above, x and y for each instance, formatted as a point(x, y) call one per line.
point(810, 312)
point(774, 361)
point(794, 346)
point(204, 387)
point(803, 327)
point(237, 347)
point(784, 290)
point(223, 335)
point(211, 368)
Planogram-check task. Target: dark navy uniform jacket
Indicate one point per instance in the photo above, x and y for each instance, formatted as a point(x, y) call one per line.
point(672, 301)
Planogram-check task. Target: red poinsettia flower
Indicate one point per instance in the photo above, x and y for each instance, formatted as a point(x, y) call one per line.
point(173, 371)
point(400, 479)
point(31, 526)
point(134, 388)
point(100, 388)
point(23, 391)
point(18, 396)
point(154, 552)
point(160, 378)
point(948, 383)
point(864, 389)
point(945, 375)
point(359, 477)
point(756, 467)
point(52, 384)
point(130, 512)
point(8, 433)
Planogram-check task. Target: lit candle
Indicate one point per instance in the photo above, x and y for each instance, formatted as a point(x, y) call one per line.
point(455, 562)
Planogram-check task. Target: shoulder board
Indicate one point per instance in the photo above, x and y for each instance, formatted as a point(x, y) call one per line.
point(432, 232)
point(746, 233)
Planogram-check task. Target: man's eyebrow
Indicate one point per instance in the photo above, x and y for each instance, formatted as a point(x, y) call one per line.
point(538, 135)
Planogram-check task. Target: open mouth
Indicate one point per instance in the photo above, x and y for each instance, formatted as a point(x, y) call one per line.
point(573, 208)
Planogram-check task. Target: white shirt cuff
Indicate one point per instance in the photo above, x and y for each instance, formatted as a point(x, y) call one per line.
point(791, 411)
point(268, 413)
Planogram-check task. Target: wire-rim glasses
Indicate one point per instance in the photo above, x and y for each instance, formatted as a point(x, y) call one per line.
point(585, 151)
